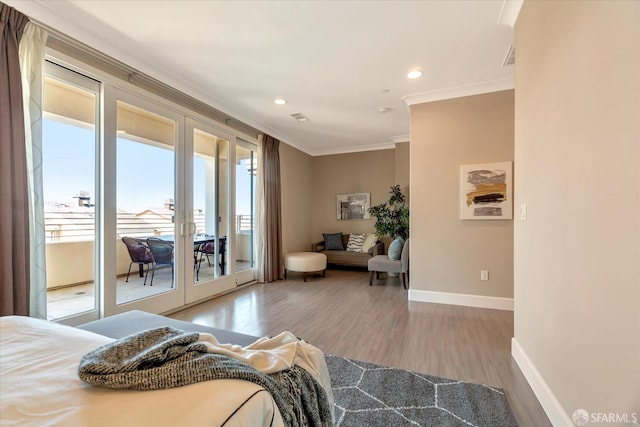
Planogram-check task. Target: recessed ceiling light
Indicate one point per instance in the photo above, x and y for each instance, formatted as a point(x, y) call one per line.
point(414, 74)
point(279, 101)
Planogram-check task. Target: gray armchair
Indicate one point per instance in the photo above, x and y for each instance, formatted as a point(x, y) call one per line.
point(382, 263)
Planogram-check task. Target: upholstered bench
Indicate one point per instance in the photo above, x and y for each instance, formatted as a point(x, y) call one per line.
point(305, 262)
point(348, 258)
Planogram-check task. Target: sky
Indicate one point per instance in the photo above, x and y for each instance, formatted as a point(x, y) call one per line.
point(145, 177)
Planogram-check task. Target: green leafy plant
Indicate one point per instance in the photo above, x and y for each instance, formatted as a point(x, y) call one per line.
point(392, 217)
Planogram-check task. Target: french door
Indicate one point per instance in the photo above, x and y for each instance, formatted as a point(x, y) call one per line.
point(147, 207)
point(172, 191)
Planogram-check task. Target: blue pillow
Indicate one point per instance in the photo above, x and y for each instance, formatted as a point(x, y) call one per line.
point(333, 242)
point(395, 248)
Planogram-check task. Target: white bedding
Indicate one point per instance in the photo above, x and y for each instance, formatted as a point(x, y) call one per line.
point(39, 386)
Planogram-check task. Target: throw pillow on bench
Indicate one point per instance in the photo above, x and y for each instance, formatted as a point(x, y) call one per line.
point(333, 242)
point(355, 242)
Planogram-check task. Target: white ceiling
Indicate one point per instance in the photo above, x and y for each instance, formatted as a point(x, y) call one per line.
point(337, 62)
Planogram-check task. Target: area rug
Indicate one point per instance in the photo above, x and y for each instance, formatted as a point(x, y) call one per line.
point(373, 395)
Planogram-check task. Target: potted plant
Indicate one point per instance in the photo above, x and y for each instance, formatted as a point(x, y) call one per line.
point(392, 219)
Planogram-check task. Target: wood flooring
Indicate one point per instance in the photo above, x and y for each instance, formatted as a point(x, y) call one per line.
point(342, 315)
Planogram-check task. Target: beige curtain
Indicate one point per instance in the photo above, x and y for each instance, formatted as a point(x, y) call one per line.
point(260, 220)
point(273, 261)
point(32, 50)
point(14, 200)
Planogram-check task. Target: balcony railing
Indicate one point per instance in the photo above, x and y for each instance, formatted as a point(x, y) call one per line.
point(80, 226)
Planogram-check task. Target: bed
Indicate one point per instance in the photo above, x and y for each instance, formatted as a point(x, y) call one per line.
point(40, 386)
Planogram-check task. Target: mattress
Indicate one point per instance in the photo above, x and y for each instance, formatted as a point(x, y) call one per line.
point(40, 386)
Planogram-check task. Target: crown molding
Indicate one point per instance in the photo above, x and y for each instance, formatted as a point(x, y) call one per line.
point(400, 138)
point(510, 12)
point(459, 91)
point(354, 149)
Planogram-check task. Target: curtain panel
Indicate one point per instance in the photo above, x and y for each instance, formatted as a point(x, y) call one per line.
point(14, 200)
point(273, 259)
point(32, 50)
point(260, 215)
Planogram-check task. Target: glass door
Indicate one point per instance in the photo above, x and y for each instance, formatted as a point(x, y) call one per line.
point(246, 174)
point(70, 166)
point(142, 231)
point(209, 211)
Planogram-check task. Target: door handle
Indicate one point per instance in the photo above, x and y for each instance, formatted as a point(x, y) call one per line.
point(192, 228)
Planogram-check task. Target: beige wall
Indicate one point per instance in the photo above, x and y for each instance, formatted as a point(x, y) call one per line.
point(62, 272)
point(366, 172)
point(402, 167)
point(297, 199)
point(577, 256)
point(300, 201)
point(447, 253)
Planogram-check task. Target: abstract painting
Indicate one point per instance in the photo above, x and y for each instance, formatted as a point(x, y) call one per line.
point(354, 206)
point(485, 191)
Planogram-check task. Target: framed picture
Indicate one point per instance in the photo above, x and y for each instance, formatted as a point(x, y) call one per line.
point(354, 206)
point(486, 191)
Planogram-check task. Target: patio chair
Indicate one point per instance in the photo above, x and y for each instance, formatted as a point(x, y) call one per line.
point(162, 252)
point(208, 248)
point(139, 254)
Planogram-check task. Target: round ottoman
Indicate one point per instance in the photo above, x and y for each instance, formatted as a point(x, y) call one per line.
point(305, 262)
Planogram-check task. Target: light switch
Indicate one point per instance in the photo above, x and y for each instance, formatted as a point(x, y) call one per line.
point(523, 211)
point(484, 275)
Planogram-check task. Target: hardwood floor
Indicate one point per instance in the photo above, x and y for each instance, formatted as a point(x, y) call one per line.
point(342, 315)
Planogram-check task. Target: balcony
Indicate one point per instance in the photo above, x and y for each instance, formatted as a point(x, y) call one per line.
point(70, 250)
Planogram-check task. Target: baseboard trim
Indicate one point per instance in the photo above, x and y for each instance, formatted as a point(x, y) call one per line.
point(480, 301)
point(551, 405)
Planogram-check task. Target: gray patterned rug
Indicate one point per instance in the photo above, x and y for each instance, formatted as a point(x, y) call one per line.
point(373, 395)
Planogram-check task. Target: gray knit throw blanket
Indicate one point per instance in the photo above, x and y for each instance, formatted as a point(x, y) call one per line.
point(167, 357)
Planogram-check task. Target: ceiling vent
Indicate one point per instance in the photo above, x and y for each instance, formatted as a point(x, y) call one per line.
point(300, 117)
point(510, 59)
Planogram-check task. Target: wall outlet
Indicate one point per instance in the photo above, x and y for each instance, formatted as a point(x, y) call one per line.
point(484, 275)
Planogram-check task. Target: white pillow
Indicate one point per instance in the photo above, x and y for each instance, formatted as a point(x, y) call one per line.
point(369, 241)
